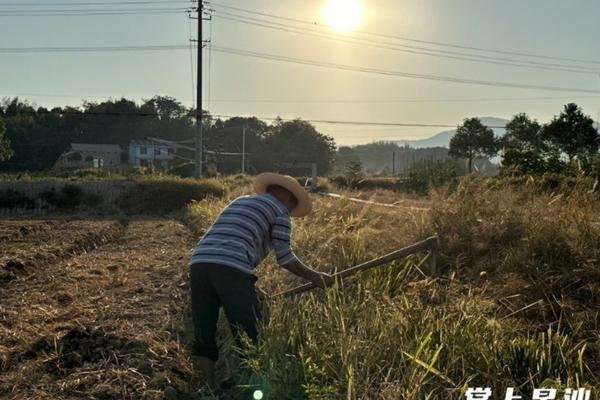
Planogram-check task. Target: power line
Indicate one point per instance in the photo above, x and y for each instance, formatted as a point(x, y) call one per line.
point(396, 101)
point(410, 39)
point(266, 56)
point(103, 3)
point(80, 14)
point(92, 11)
point(357, 123)
point(213, 117)
point(83, 10)
point(81, 97)
point(91, 49)
point(326, 101)
point(89, 113)
point(406, 49)
point(342, 67)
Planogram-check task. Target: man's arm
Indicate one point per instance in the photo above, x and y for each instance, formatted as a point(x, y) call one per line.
point(320, 279)
point(281, 238)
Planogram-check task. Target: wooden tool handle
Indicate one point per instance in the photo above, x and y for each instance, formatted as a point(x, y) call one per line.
point(428, 244)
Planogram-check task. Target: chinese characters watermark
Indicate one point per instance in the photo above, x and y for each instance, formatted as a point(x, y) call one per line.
point(485, 393)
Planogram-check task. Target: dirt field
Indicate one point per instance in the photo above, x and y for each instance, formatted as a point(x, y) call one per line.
point(29, 246)
point(97, 314)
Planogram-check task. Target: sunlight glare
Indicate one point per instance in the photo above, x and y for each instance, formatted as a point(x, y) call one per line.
point(344, 15)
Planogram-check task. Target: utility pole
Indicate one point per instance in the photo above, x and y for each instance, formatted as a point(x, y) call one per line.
point(393, 163)
point(199, 132)
point(244, 149)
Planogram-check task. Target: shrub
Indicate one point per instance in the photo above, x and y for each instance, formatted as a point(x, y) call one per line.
point(418, 179)
point(14, 199)
point(69, 197)
point(167, 195)
point(546, 183)
point(183, 171)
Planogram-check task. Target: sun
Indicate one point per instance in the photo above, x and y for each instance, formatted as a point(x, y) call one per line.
point(344, 15)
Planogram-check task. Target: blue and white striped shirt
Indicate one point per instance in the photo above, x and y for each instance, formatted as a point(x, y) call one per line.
point(245, 233)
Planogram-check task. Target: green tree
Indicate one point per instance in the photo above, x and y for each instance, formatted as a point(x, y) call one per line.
point(354, 172)
point(5, 150)
point(229, 136)
point(343, 155)
point(473, 140)
point(37, 137)
point(293, 142)
point(573, 133)
point(523, 146)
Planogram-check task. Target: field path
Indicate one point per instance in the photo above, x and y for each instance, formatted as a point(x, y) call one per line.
point(109, 323)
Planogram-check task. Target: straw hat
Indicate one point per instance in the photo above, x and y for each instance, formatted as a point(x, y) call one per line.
point(263, 181)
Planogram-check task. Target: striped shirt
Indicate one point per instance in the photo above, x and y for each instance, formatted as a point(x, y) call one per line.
point(245, 233)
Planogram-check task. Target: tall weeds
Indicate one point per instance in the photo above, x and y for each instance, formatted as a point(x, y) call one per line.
point(394, 333)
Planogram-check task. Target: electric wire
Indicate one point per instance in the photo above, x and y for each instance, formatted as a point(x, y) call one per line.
point(439, 78)
point(221, 116)
point(76, 3)
point(84, 10)
point(323, 101)
point(80, 14)
point(322, 64)
point(410, 39)
point(77, 49)
point(409, 49)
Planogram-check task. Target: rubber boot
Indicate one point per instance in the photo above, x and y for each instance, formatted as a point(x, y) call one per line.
point(207, 370)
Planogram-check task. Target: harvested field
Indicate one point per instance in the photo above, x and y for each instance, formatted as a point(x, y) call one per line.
point(108, 323)
point(30, 246)
point(13, 230)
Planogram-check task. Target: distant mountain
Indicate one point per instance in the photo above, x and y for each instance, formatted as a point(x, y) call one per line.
point(442, 139)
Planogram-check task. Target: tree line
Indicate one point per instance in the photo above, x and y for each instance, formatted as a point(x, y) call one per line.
point(33, 138)
point(569, 141)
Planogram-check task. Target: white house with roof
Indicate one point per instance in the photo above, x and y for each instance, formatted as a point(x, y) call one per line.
point(147, 153)
point(84, 155)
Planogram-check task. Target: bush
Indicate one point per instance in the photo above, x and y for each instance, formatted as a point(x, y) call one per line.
point(70, 197)
point(418, 179)
point(549, 182)
point(15, 199)
point(183, 171)
point(86, 174)
point(167, 195)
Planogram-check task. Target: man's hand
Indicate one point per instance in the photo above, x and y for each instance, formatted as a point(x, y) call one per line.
point(262, 295)
point(319, 279)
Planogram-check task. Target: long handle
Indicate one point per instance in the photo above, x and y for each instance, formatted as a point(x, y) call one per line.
point(427, 244)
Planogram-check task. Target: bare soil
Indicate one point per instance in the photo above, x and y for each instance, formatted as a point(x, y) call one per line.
point(105, 322)
point(30, 246)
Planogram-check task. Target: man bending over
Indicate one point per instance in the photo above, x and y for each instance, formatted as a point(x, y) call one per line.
point(223, 262)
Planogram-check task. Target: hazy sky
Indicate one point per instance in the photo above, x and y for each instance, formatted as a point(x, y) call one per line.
point(241, 85)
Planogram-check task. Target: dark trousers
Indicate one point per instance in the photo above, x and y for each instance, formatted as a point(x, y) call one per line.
point(213, 286)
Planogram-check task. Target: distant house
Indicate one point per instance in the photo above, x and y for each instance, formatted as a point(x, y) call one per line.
point(147, 153)
point(83, 155)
